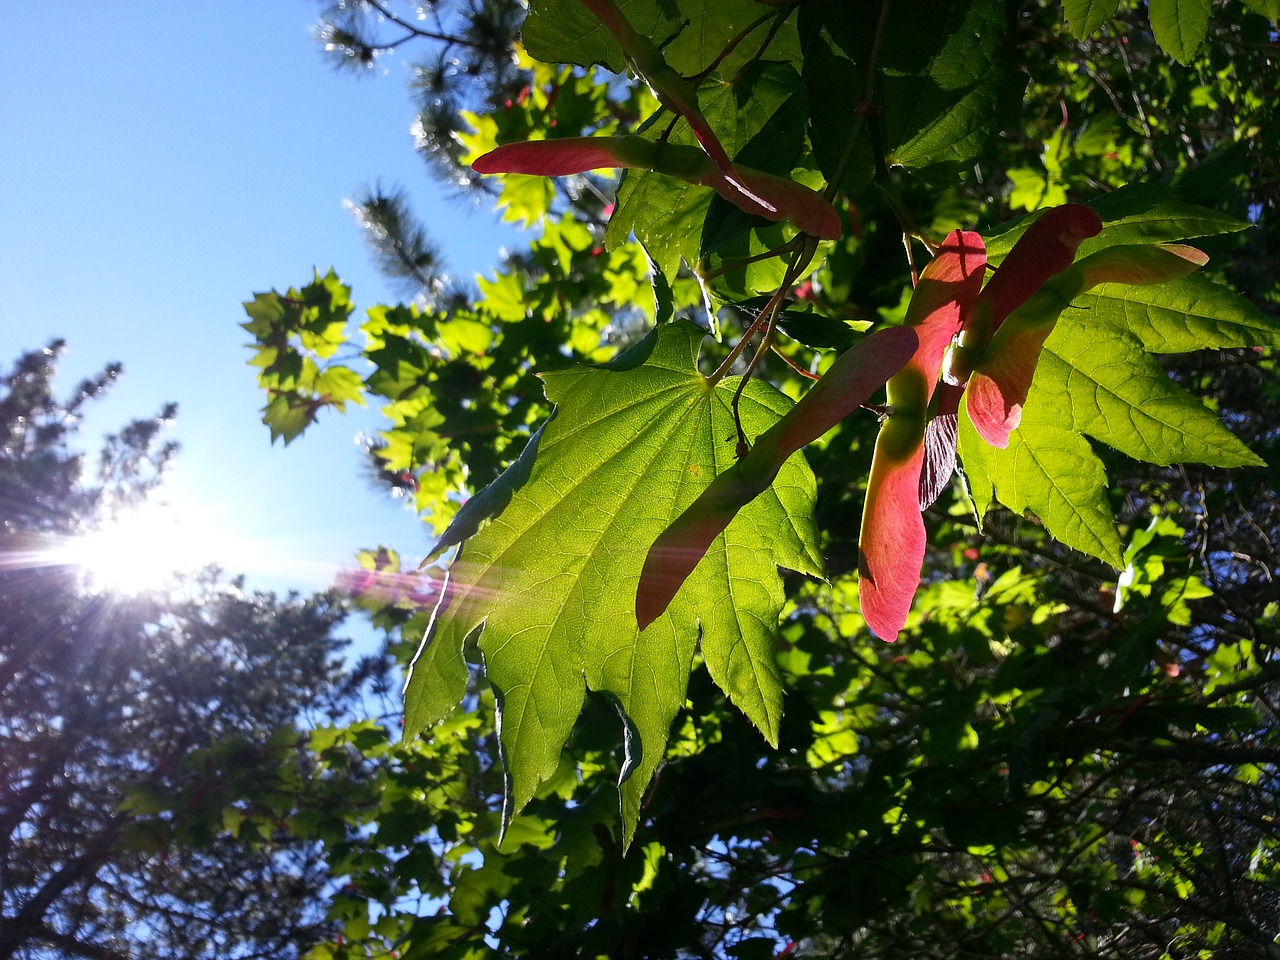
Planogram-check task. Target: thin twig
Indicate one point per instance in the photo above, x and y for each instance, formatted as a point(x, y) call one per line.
point(793, 365)
point(768, 39)
point(754, 258)
point(415, 30)
point(730, 47)
point(860, 122)
point(803, 255)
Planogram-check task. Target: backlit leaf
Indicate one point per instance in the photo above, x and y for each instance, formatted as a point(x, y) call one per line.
point(1119, 394)
point(1048, 469)
point(1180, 26)
point(690, 32)
point(547, 586)
point(1143, 213)
point(1267, 8)
point(1193, 313)
point(1095, 379)
point(945, 87)
point(846, 386)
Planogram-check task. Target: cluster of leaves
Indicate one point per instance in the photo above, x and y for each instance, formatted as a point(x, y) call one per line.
point(469, 64)
point(297, 335)
point(1025, 774)
point(457, 381)
point(543, 635)
point(1056, 759)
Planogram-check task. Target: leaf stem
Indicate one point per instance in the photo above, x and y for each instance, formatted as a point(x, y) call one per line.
point(766, 342)
point(799, 261)
point(754, 258)
point(761, 318)
point(803, 254)
point(779, 20)
point(801, 371)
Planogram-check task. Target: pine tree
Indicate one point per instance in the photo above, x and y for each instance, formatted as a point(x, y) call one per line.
point(110, 704)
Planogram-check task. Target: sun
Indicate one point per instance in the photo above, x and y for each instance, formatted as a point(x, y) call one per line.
point(148, 548)
point(165, 543)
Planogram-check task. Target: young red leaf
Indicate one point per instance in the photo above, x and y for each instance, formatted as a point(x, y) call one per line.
point(1142, 264)
point(948, 284)
point(845, 387)
point(754, 191)
point(996, 392)
point(1047, 248)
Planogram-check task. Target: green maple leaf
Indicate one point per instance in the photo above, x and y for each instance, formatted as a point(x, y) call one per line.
point(1139, 213)
point(547, 585)
point(944, 85)
point(946, 109)
point(1097, 379)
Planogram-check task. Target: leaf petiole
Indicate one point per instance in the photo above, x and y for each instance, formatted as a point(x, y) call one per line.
point(801, 259)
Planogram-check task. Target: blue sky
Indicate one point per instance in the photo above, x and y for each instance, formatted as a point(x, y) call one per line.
point(161, 164)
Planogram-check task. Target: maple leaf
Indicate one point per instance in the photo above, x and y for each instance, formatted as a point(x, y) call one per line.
point(546, 584)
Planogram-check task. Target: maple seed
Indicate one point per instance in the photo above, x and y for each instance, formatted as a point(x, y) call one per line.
point(892, 540)
point(1003, 376)
point(1046, 248)
point(671, 89)
point(753, 191)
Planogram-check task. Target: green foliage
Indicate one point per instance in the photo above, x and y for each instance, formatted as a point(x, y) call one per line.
point(1055, 759)
point(1180, 26)
point(1086, 16)
point(945, 86)
point(456, 381)
point(296, 335)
